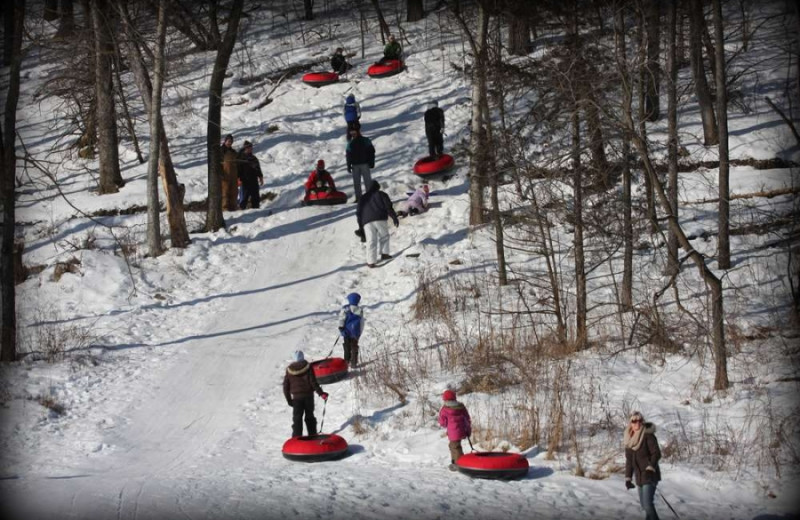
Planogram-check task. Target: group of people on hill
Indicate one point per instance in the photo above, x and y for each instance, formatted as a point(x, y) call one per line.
point(241, 176)
point(391, 51)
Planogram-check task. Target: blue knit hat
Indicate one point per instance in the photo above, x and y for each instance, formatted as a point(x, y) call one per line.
point(350, 98)
point(298, 355)
point(353, 298)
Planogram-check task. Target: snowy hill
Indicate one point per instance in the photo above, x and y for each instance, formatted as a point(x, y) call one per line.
point(151, 387)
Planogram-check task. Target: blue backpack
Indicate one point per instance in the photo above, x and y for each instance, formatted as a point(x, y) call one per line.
point(352, 325)
point(350, 112)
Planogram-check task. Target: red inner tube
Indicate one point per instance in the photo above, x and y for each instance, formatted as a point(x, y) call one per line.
point(496, 465)
point(320, 78)
point(322, 446)
point(330, 369)
point(386, 68)
point(431, 166)
point(328, 198)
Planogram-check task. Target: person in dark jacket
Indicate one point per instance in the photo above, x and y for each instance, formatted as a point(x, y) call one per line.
point(319, 180)
point(374, 208)
point(434, 129)
point(299, 385)
point(641, 462)
point(339, 62)
point(250, 175)
point(360, 158)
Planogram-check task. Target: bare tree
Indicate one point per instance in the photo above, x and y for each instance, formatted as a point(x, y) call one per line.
point(653, 34)
point(724, 254)
point(153, 206)
point(672, 131)
point(8, 163)
point(50, 11)
point(308, 9)
point(478, 43)
point(385, 31)
point(110, 176)
point(214, 219)
point(66, 22)
point(174, 191)
point(415, 10)
point(519, 28)
point(697, 25)
point(626, 298)
point(641, 35)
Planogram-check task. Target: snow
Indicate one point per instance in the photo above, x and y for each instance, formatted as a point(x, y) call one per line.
point(172, 399)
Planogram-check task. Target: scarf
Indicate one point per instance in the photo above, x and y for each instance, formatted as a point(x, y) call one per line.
point(633, 440)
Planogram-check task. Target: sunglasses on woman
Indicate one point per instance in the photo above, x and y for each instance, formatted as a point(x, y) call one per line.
point(635, 421)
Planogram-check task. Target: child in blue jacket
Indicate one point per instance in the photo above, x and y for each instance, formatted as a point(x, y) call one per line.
point(351, 325)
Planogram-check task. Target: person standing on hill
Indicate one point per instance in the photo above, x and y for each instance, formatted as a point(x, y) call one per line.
point(454, 416)
point(339, 62)
point(250, 175)
point(351, 325)
point(434, 129)
point(374, 209)
point(360, 158)
point(299, 385)
point(641, 462)
point(392, 50)
point(230, 177)
point(352, 114)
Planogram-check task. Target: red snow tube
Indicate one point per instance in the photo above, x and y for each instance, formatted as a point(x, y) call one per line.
point(385, 68)
point(492, 464)
point(323, 198)
point(329, 370)
point(320, 79)
point(315, 448)
point(429, 166)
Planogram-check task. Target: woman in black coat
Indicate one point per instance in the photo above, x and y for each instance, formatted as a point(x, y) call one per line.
point(641, 461)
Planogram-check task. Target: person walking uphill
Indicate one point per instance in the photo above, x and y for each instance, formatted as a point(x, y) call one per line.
point(360, 158)
point(250, 175)
point(351, 325)
point(352, 114)
point(455, 417)
point(230, 177)
point(374, 209)
point(299, 385)
point(434, 129)
point(641, 462)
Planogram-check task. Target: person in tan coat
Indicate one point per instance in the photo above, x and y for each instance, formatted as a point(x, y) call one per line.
point(230, 176)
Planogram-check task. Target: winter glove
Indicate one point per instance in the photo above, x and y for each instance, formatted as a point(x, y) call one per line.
point(289, 402)
point(324, 396)
point(349, 168)
point(341, 329)
point(629, 484)
point(396, 223)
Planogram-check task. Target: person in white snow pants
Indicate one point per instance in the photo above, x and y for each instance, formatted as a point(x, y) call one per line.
point(374, 208)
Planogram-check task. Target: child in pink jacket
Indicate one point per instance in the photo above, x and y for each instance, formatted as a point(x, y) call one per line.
point(455, 417)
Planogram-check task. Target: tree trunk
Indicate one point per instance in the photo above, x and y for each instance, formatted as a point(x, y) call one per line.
point(680, 50)
point(8, 34)
point(308, 10)
point(626, 298)
point(415, 10)
point(385, 31)
point(8, 163)
point(519, 35)
point(214, 220)
point(174, 191)
point(712, 282)
point(653, 22)
point(672, 132)
point(642, 116)
point(580, 267)
point(66, 24)
point(50, 10)
point(724, 256)
point(124, 102)
point(696, 28)
point(110, 176)
point(477, 166)
point(153, 205)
